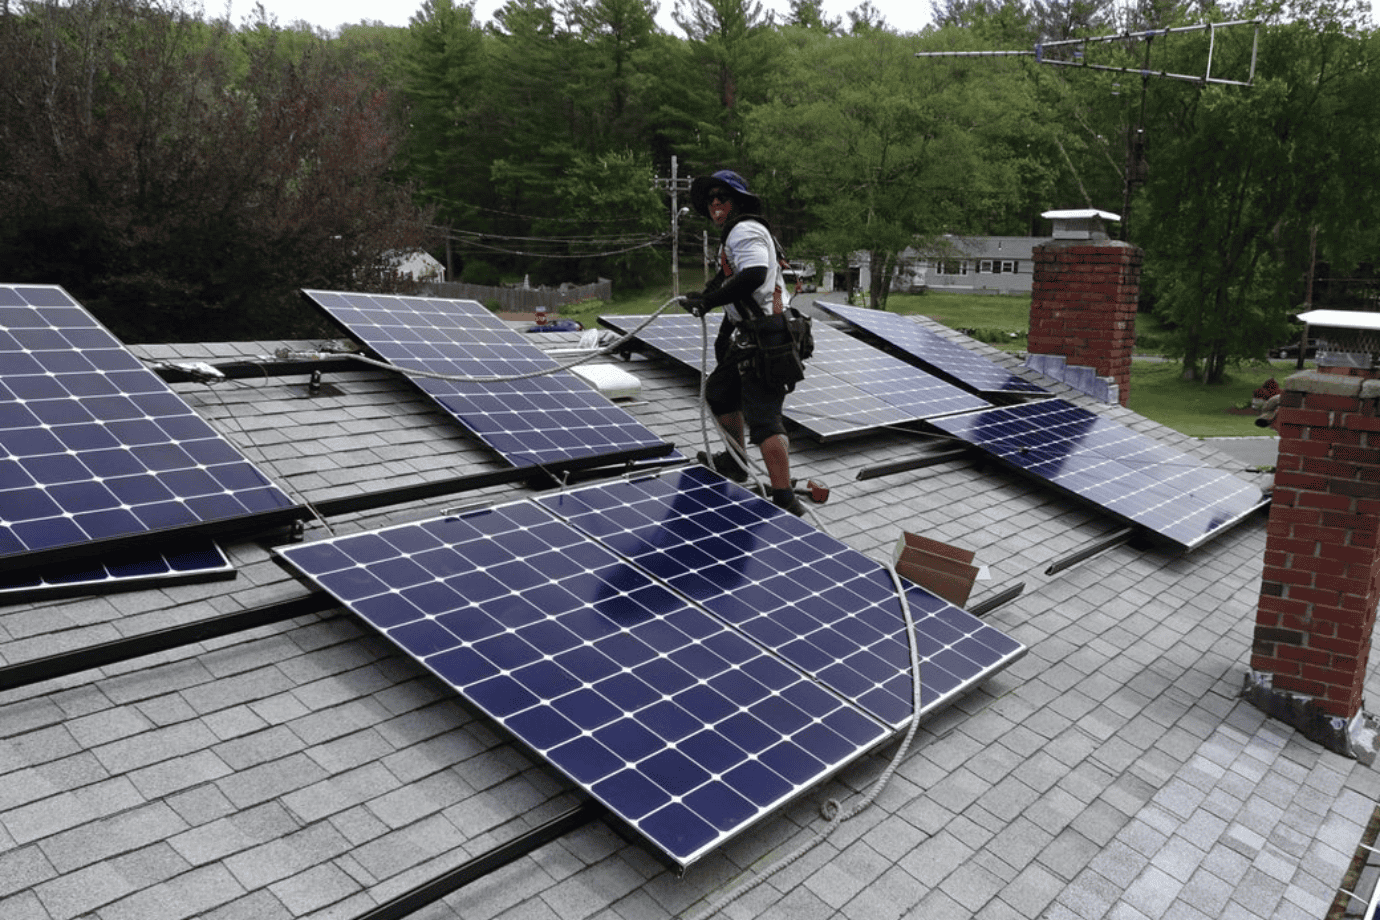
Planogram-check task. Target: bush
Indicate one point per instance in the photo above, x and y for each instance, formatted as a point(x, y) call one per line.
point(477, 271)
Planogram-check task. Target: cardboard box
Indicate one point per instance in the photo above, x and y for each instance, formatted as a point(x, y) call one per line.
point(945, 570)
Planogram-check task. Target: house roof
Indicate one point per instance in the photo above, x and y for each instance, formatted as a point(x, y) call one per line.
point(986, 247)
point(306, 768)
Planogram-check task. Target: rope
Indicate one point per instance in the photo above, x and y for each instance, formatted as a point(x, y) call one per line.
point(832, 811)
point(506, 378)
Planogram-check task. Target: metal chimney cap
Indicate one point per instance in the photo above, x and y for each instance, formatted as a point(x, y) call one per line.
point(1080, 223)
point(1341, 319)
point(1345, 338)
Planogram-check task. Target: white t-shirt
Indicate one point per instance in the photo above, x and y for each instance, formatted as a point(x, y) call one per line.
point(749, 244)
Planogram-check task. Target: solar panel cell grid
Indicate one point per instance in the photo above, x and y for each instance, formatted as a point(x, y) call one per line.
point(531, 420)
point(849, 387)
point(95, 448)
point(1117, 468)
point(566, 618)
point(123, 571)
point(679, 724)
point(944, 357)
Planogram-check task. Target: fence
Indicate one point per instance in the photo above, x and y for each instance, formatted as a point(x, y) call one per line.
point(521, 300)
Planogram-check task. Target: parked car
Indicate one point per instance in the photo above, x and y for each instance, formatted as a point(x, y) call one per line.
point(1291, 349)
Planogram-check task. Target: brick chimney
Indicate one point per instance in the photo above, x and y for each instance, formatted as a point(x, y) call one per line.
point(1321, 580)
point(1083, 301)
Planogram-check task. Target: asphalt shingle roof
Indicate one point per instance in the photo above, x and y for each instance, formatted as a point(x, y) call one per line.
point(306, 768)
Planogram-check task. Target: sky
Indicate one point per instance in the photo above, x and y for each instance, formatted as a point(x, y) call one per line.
point(900, 15)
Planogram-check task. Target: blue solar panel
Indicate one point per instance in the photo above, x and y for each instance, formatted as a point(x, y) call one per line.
point(585, 624)
point(1127, 473)
point(825, 608)
point(130, 570)
point(541, 420)
point(934, 351)
point(849, 387)
point(97, 451)
point(907, 388)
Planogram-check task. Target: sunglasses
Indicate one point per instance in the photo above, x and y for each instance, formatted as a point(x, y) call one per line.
point(721, 195)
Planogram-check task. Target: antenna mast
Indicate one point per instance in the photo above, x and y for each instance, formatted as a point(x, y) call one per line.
point(1042, 55)
point(1048, 53)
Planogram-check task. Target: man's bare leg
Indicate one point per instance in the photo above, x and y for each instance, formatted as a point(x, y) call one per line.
point(776, 455)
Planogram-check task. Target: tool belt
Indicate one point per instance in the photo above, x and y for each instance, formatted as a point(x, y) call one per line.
point(774, 347)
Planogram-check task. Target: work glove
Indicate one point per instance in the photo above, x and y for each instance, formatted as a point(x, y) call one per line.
point(693, 303)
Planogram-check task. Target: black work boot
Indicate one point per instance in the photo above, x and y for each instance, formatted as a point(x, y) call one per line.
point(724, 463)
point(786, 499)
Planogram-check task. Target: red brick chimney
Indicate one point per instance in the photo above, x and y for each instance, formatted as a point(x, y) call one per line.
point(1321, 580)
point(1084, 296)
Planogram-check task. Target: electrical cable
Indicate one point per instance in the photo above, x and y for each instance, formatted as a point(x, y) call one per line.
point(558, 255)
point(211, 383)
point(832, 810)
point(600, 352)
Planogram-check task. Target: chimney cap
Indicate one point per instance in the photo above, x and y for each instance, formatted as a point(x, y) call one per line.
point(1345, 338)
point(1341, 319)
point(1080, 223)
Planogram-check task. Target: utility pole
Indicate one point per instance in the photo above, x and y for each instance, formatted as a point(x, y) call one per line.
point(675, 185)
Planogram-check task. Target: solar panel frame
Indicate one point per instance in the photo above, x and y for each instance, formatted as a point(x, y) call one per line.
point(131, 570)
point(98, 454)
point(1128, 474)
point(600, 664)
point(644, 701)
point(541, 420)
point(948, 359)
point(846, 392)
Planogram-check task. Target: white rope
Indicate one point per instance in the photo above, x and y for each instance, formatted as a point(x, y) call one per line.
point(505, 378)
point(832, 811)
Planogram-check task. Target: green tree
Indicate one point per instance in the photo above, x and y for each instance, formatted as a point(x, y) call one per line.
point(733, 49)
point(610, 219)
point(809, 14)
point(184, 180)
point(1242, 182)
point(442, 79)
point(887, 152)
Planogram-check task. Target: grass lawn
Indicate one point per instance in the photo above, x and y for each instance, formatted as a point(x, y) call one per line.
point(1192, 408)
point(1197, 410)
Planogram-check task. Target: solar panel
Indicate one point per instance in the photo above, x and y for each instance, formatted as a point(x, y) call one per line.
point(566, 619)
point(849, 388)
point(822, 606)
point(96, 452)
point(1129, 474)
point(934, 351)
point(895, 382)
point(540, 420)
point(131, 570)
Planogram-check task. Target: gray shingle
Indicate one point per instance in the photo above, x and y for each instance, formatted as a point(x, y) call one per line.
point(330, 772)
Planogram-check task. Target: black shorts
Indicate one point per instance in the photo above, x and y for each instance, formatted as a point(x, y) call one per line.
point(734, 387)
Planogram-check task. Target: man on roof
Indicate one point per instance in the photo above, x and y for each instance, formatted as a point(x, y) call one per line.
point(747, 388)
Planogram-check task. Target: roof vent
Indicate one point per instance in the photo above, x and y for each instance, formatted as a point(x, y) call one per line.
point(613, 382)
point(1080, 223)
point(1345, 338)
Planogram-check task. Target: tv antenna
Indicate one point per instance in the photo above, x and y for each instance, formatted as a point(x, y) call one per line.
point(1072, 52)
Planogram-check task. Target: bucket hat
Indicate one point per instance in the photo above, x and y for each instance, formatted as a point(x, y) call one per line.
point(726, 178)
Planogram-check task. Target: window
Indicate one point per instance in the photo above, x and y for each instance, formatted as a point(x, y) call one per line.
point(1008, 266)
point(985, 267)
point(951, 267)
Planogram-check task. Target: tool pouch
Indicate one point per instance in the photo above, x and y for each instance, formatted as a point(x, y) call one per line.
point(780, 345)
